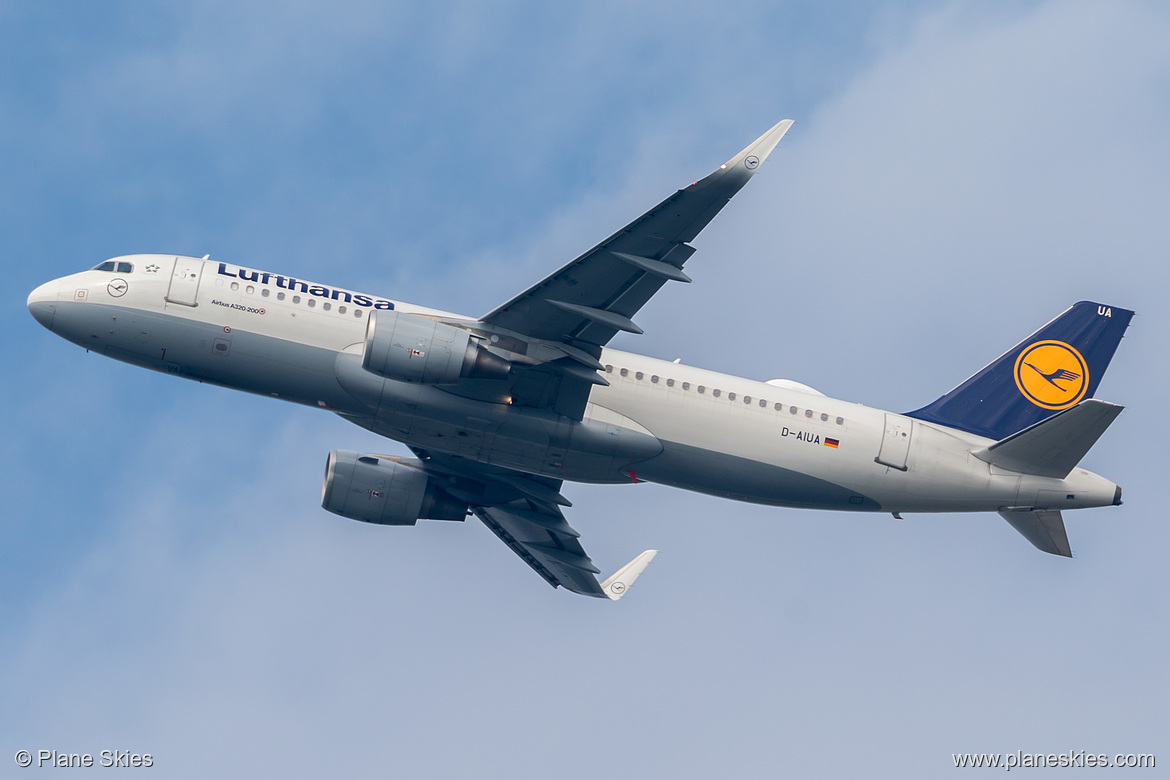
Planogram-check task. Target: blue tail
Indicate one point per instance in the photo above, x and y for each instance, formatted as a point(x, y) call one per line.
point(1053, 369)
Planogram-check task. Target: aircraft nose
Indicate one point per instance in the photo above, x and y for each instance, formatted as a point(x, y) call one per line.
point(42, 303)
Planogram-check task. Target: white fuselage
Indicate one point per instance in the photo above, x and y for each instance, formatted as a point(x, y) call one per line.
point(774, 443)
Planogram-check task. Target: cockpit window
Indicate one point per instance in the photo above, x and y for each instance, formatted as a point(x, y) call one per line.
point(110, 265)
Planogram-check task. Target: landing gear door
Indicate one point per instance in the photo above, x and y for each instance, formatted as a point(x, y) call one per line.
point(185, 281)
point(896, 442)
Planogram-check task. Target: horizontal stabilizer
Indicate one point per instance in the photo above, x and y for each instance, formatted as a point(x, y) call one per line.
point(1053, 447)
point(617, 585)
point(1044, 528)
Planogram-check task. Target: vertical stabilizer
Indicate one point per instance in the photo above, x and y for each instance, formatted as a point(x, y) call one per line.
point(1054, 369)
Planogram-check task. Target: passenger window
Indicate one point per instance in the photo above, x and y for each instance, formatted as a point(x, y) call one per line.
point(686, 385)
point(654, 378)
point(125, 268)
point(808, 413)
point(312, 302)
point(747, 399)
point(280, 296)
point(109, 265)
point(625, 372)
point(670, 383)
point(357, 312)
point(764, 404)
point(296, 299)
point(265, 292)
point(235, 285)
point(731, 396)
point(638, 375)
point(792, 410)
point(326, 306)
point(341, 310)
point(840, 420)
point(824, 417)
point(716, 393)
point(250, 289)
point(609, 369)
point(701, 389)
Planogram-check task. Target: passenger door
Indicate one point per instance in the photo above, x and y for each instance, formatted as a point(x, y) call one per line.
point(185, 281)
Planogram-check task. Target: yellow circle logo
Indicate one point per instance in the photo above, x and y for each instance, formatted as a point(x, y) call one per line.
point(1051, 374)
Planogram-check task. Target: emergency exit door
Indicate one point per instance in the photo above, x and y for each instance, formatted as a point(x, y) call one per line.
point(896, 441)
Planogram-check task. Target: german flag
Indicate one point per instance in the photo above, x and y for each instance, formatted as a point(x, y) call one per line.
point(832, 443)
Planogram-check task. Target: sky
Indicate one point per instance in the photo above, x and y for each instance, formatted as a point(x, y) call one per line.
point(958, 174)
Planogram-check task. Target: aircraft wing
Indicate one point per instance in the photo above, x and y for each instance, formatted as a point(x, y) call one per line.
point(588, 301)
point(524, 511)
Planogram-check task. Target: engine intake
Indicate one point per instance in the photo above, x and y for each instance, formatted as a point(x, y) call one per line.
point(414, 349)
point(385, 490)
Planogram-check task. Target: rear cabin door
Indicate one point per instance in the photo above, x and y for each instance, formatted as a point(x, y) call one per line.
point(185, 281)
point(896, 441)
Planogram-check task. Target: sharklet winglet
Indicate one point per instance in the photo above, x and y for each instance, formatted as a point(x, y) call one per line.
point(619, 583)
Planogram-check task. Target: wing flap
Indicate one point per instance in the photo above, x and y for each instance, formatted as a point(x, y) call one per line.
point(557, 557)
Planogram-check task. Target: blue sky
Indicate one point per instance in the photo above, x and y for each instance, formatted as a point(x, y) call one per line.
point(957, 175)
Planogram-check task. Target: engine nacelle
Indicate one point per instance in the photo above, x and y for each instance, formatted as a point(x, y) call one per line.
point(414, 349)
point(385, 490)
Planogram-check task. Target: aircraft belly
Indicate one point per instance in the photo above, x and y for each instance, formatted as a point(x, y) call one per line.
point(206, 352)
point(745, 479)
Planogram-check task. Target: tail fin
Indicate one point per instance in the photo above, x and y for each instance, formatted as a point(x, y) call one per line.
point(1053, 369)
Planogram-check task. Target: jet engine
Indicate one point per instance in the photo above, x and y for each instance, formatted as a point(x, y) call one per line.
point(415, 349)
point(385, 490)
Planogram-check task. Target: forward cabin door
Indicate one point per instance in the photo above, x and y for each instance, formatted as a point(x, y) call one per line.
point(896, 442)
point(185, 281)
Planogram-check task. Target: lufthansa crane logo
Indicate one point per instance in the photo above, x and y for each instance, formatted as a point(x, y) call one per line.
point(1051, 374)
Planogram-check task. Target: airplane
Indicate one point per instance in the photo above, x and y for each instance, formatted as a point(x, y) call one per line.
point(501, 410)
